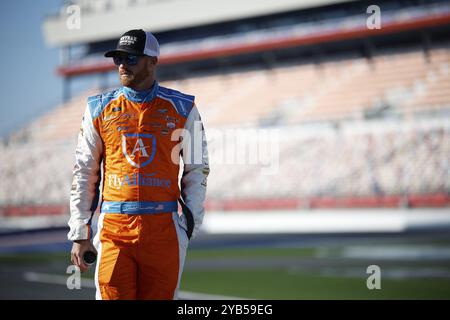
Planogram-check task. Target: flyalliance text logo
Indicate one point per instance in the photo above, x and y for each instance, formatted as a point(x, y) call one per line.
point(140, 179)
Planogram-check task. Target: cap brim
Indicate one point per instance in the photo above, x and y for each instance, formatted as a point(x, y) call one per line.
point(113, 53)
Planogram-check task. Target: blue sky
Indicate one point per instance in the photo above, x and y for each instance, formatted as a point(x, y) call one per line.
point(29, 85)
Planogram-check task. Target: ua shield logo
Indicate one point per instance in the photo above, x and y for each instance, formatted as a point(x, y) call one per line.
point(139, 146)
point(144, 147)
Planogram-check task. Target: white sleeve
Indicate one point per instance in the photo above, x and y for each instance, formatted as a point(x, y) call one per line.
point(196, 168)
point(86, 179)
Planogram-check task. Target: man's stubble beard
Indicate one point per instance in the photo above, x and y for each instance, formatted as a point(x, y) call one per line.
point(135, 79)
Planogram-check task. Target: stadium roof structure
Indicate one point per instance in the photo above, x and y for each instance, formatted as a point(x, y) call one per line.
point(243, 45)
point(204, 36)
point(104, 20)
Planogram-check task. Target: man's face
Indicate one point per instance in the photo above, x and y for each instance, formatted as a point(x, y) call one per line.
point(133, 75)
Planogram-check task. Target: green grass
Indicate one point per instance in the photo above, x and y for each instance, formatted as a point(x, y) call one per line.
point(268, 282)
point(251, 253)
point(33, 258)
point(282, 284)
point(262, 282)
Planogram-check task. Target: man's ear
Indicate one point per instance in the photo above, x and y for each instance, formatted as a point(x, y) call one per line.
point(151, 61)
point(154, 60)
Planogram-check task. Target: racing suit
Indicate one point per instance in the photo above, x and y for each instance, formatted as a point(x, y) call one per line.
point(137, 138)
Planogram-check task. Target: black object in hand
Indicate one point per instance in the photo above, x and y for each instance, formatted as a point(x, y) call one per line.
point(89, 257)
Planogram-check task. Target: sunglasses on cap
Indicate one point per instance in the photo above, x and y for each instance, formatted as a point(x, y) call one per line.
point(130, 60)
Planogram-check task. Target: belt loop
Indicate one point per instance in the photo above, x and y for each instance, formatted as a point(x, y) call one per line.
point(121, 207)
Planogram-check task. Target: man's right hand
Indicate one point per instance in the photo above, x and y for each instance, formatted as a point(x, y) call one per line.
point(79, 247)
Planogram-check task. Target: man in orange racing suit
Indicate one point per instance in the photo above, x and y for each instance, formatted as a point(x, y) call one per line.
point(137, 133)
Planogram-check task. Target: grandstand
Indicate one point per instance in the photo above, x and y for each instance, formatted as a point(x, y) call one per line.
point(363, 118)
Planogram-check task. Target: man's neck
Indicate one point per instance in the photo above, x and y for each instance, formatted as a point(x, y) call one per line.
point(144, 85)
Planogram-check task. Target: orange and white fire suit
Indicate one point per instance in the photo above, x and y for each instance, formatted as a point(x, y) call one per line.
point(130, 144)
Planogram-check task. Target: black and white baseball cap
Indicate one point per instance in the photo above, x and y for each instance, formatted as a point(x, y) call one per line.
point(136, 42)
